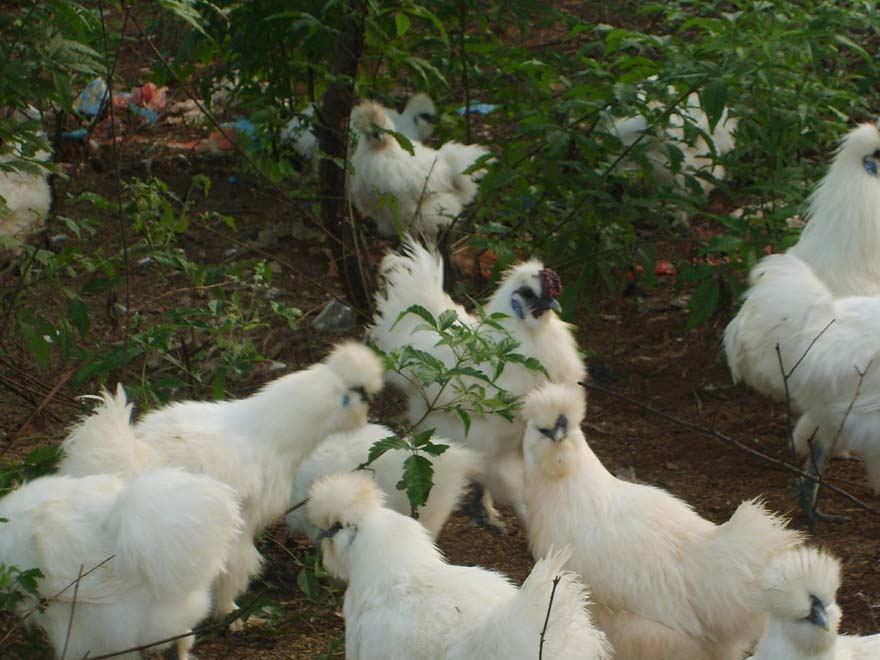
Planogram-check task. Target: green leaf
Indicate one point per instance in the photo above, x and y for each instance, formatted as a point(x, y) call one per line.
point(36, 342)
point(381, 446)
point(104, 365)
point(417, 481)
point(79, 315)
point(713, 99)
point(704, 301)
point(465, 419)
point(402, 23)
point(290, 314)
point(404, 142)
point(308, 583)
point(447, 319)
point(419, 311)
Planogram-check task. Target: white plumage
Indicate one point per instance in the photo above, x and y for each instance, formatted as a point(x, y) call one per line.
point(404, 602)
point(169, 534)
point(343, 452)
point(666, 583)
point(842, 237)
point(698, 156)
point(423, 192)
point(253, 444)
point(416, 122)
point(527, 295)
point(834, 340)
point(803, 615)
point(26, 195)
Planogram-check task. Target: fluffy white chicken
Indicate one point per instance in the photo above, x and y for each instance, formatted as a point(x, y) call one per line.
point(26, 195)
point(255, 444)
point(404, 602)
point(416, 122)
point(164, 537)
point(666, 583)
point(698, 157)
point(831, 341)
point(803, 617)
point(842, 237)
point(343, 452)
point(527, 295)
point(421, 192)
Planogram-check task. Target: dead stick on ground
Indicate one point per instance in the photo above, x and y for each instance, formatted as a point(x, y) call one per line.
point(45, 402)
point(712, 433)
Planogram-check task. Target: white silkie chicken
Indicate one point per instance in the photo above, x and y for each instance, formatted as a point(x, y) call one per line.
point(416, 122)
point(420, 192)
point(255, 444)
point(25, 194)
point(803, 615)
point(824, 343)
point(698, 157)
point(147, 550)
point(404, 602)
point(666, 583)
point(842, 237)
point(343, 452)
point(527, 295)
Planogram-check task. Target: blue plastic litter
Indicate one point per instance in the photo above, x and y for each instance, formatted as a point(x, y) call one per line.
point(147, 113)
point(478, 108)
point(92, 98)
point(245, 126)
point(79, 134)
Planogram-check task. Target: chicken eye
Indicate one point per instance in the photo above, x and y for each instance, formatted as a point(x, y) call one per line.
point(426, 116)
point(547, 432)
point(870, 163)
point(345, 400)
point(526, 293)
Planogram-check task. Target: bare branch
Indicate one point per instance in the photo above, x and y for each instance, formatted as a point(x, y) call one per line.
point(72, 612)
point(216, 625)
point(46, 601)
point(815, 339)
point(547, 618)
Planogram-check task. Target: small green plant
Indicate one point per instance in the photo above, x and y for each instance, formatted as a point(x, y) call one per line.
point(17, 585)
point(39, 462)
point(467, 388)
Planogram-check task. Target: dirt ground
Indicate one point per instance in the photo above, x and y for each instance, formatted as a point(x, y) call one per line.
point(639, 346)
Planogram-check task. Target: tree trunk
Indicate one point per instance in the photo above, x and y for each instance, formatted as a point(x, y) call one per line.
point(332, 133)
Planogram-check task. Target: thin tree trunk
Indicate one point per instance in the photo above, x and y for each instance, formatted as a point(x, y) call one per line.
point(332, 136)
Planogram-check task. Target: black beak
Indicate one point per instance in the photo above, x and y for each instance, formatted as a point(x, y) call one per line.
point(818, 614)
point(559, 431)
point(543, 304)
point(428, 117)
point(329, 533)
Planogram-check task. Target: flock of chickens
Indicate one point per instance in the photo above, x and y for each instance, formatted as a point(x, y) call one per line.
point(149, 526)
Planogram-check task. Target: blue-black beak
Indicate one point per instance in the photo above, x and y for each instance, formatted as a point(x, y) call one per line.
point(559, 431)
point(818, 615)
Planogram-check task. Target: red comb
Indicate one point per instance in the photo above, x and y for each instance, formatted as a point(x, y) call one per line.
point(551, 283)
